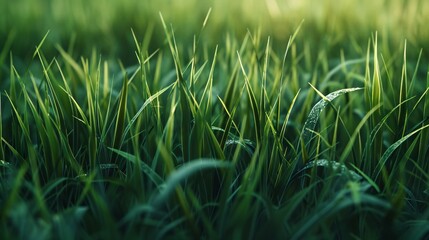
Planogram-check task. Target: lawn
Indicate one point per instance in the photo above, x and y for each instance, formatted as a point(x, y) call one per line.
point(214, 119)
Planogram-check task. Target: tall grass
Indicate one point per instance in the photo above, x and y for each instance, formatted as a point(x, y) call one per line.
point(238, 140)
point(107, 24)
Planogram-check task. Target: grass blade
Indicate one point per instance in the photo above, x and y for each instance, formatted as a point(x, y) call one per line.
point(120, 118)
point(314, 114)
point(144, 167)
point(389, 151)
point(183, 173)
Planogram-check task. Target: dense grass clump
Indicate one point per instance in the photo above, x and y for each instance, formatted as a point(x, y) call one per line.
point(249, 138)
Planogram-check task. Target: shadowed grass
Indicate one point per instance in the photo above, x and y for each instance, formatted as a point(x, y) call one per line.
point(235, 140)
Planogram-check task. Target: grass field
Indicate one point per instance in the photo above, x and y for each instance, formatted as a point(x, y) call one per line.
point(214, 119)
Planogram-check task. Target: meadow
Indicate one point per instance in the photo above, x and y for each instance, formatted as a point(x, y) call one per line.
point(214, 119)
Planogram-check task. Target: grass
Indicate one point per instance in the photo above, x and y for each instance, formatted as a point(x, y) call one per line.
point(252, 137)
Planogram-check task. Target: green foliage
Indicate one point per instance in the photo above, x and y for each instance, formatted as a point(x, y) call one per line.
point(238, 139)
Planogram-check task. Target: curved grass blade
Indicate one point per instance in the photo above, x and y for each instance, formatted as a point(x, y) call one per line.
point(143, 107)
point(336, 166)
point(356, 132)
point(184, 172)
point(144, 167)
point(246, 144)
point(377, 128)
point(367, 178)
point(342, 200)
point(134, 212)
point(169, 227)
point(341, 66)
point(392, 148)
point(314, 114)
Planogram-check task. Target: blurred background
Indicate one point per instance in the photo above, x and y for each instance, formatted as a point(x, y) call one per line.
point(105, 25)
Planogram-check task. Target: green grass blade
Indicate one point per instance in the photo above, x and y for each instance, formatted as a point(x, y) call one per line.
point(367, 178)
point(314, 114)
point(355, 134)
point(144, 167)
point(253, 102)
point(120, 118)
point(143, 107)
point(183, 173)
point(40, 45)
point(340, 202)
point(389, 151)
point(336, 166)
